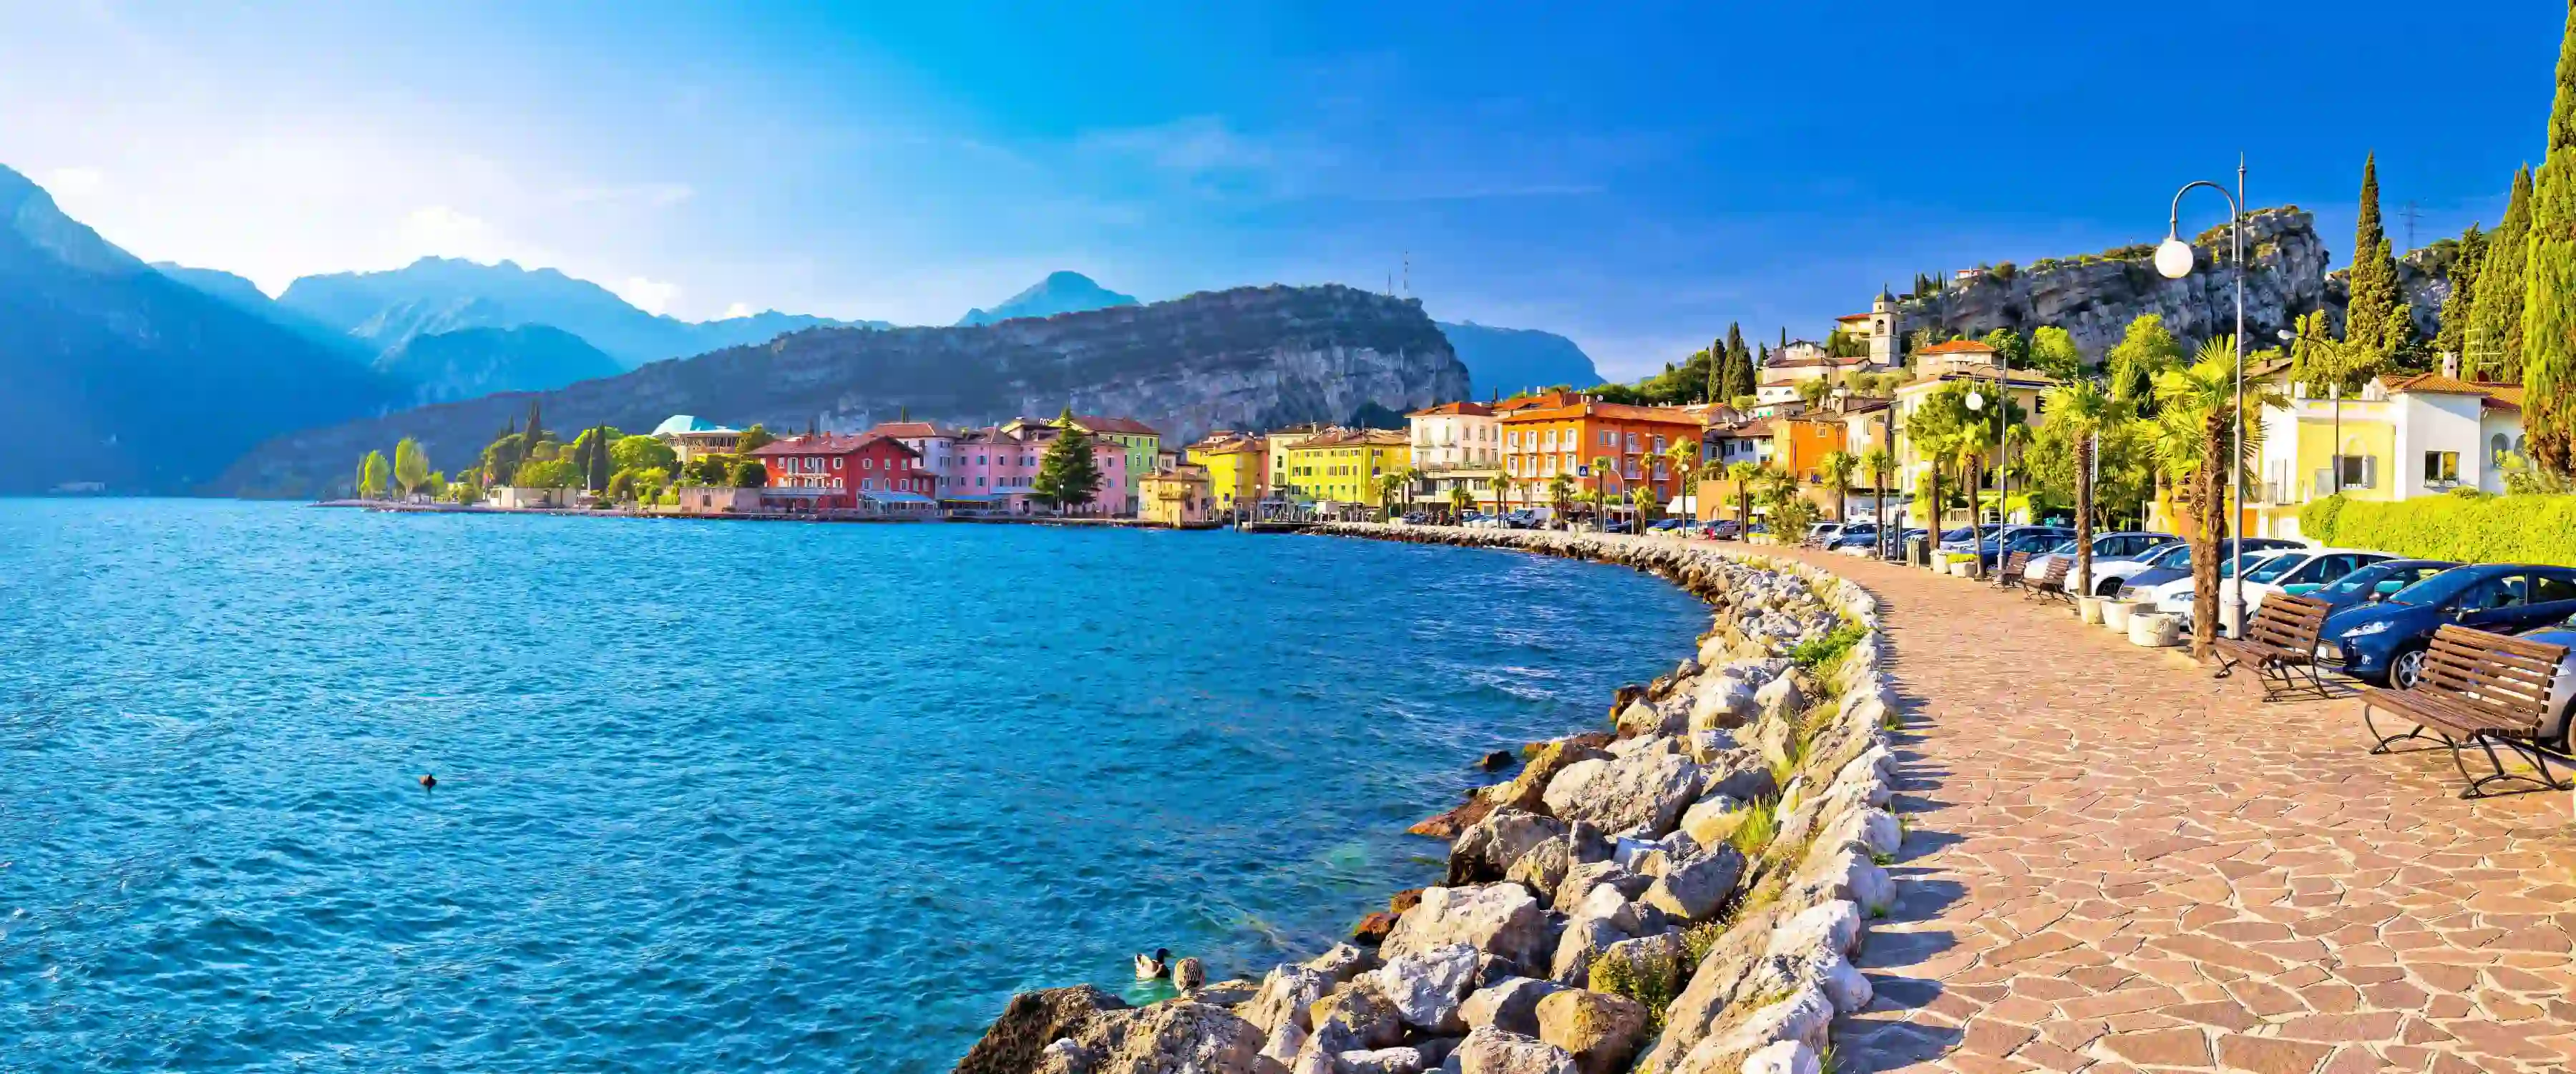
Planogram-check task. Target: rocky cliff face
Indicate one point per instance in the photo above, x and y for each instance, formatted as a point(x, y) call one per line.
point(1248, 358)
point(2095, 297)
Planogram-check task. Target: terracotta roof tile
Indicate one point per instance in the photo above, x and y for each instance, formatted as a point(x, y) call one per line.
point(1465, 408)
point(1958, 346)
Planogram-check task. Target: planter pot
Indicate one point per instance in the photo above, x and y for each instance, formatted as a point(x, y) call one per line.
point(2151, 630)
point(2088, 609)
point(2115, 614)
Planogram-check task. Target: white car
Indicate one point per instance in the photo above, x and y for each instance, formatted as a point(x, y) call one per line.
point(2107, 548)
point(2322, 565)
point(2108, 576)
point(2175, 597)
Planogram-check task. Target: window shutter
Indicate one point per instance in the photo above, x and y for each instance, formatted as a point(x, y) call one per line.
point(2370, 471)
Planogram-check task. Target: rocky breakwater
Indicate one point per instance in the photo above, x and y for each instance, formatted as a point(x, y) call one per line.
point(1679, 893)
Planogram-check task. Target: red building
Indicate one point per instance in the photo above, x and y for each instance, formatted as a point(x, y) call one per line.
point(840, 471)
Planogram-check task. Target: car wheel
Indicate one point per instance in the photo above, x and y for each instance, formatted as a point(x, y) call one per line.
point(2108, 587)
point(2406, 668)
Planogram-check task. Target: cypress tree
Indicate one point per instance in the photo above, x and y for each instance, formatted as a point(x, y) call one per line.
point(2495, 315)
point(2549, 298)
point(1717, 373)
point(2461, 304)
point(1739, 363)
point(2367, 319)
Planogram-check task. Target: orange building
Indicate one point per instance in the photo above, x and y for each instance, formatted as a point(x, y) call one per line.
point(1799, 444)
point(1565, 433)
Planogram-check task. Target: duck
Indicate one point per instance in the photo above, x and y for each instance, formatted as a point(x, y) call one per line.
point(428, 782)
point(1149, 967)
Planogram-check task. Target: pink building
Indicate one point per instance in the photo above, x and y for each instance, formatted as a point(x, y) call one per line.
point(996, 469)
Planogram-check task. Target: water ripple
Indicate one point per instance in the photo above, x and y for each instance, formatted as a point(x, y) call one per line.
point(715, 796)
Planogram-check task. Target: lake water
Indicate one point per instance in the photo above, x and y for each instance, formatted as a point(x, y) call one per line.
point(716, 795)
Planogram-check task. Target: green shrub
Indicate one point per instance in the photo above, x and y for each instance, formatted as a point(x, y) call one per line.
point(1761, 825)
point(2471, 529)
point(1828, 649)
point(1654, 982)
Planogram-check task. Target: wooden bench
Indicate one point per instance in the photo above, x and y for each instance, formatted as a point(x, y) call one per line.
point(2010, 573)
point(2281, 644)
point(2479, 689)
point(2052, 582)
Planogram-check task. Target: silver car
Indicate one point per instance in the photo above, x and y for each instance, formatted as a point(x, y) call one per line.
point(2119, 545)
point(2562, 689)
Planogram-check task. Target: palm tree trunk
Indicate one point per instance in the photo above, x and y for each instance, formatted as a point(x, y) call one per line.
point(2208, 510)
point(2084, 515)
point(1972, 475)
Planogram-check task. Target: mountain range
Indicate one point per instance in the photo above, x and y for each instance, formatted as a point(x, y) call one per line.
point(153, 377)
point(113, 372)
point(1246, 358)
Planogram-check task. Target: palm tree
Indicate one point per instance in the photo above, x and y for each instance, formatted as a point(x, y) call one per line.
point(1742, 474)
point(1680, 460)
point(2082, 409)
point(1459, 501)
point(1642, 498)
point(1604, 467)
point(2196, 405)
point(1387, 484)
point(1878, 462)
point(1837, 466)
point(1560, 491)
point(1503, 486)
point(1413, 479)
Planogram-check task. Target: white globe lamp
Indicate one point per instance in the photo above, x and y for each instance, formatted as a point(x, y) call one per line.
point(2174, 258)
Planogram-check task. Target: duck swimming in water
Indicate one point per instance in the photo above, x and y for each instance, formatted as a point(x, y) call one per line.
point(1155, 965)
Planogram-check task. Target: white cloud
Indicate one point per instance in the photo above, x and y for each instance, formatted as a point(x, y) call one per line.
point(651, 296)
point(441, 231)
point(738, 309)
point(74, 183)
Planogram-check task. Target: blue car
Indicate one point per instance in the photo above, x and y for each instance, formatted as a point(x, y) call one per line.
point(1856, 535)
point(2172, 563)
point(2372, 582)
point(2384, 643)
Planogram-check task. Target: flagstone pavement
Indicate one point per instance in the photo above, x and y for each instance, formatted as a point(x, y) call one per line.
point(2115, 863)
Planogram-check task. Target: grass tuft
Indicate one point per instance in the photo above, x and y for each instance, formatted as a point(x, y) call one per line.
point(1761, 825)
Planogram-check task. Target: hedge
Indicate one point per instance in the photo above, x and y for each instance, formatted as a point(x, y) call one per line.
point(2463, 526)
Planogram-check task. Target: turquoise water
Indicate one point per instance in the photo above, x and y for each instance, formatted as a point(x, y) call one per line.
point(715, 795)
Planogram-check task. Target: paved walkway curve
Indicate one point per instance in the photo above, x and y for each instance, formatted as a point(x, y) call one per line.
point(2118, 864)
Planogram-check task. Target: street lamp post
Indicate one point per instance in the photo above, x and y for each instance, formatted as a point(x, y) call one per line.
point(2174, 259)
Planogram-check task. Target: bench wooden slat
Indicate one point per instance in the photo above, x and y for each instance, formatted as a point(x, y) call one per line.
point(2482, 690)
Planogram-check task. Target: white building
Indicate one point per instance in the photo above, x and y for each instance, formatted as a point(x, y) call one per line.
point(937, 446)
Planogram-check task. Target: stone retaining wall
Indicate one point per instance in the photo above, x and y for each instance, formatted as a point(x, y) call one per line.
point(1678, 894)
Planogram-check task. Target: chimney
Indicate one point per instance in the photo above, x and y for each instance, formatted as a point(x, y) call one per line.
point(2451, 365)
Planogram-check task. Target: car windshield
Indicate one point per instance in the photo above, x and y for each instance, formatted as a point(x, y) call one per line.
point(2368, 578)
point(2173, 557)
point(2272, 569)
point(2436, 589)
point(2063, 548)
point(1960, 534)
point(2255, 560)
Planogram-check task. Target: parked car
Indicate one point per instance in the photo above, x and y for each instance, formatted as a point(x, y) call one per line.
point(2174, 561)
point(1520, 520)
point(2384, 643)
point(1821, 533)
point(2173, 595)
point(2562, 687)
point(2372, 583)
point(1855, 535)
point(2323, 565)
point(2119, 544)
point(1618, 525)
point(1668, 525)
point(2031, 539)
point(1725, 529)
point(2301, 564)
point(1415, 518)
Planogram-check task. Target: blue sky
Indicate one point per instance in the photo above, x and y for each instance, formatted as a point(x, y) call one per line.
point(1635, 176)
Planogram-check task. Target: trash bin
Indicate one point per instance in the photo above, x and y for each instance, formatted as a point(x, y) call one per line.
point(1918, 551)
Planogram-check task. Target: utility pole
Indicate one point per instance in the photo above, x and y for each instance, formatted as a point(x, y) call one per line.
point(2410, 214)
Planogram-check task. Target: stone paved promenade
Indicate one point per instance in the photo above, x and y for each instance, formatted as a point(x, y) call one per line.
point(2118, 864)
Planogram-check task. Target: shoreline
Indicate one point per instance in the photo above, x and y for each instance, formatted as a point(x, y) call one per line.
point(389, 507)
point(1678, 893)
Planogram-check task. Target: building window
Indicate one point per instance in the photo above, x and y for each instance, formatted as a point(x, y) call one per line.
point(2357, 470)
point(2441, 467)
point(2499, 447)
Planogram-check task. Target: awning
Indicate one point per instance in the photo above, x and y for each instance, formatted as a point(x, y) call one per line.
point(897, 497)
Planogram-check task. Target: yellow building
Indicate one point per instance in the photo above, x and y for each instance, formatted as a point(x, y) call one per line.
point(1238, 468)
point(1176, 497)
point(1343, 465)
point(1936, 367)
point(1275, 446)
